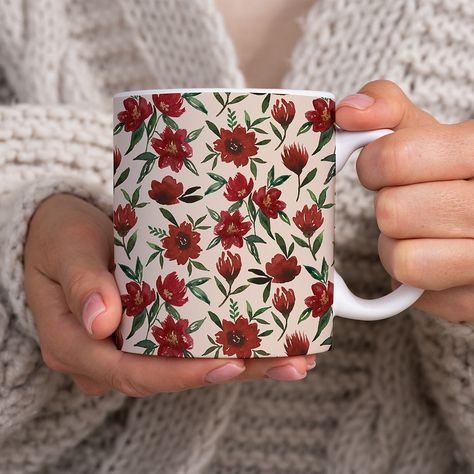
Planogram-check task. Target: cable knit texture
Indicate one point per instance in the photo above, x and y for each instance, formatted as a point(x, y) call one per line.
point(393, 397)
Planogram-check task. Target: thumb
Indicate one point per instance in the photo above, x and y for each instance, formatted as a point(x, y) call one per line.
point(380, 104)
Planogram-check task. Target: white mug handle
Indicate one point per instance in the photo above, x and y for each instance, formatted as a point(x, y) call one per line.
point(346, 304)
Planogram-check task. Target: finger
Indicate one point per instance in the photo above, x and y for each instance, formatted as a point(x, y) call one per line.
point(426, 210)
point(277, 368)
point(459, 309)
point(89, 387)
point(380, 104)
point(436, 153)
point(432, 264)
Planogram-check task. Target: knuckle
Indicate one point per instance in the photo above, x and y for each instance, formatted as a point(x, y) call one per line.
point(127, 385)
point(387, 212)
point(51, 361)
point(392, 164)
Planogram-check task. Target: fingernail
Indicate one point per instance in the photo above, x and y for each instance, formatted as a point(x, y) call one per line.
point(285, 372)
point(311, 362)
point(356, 101)
point(310, 366)
point(93, 307)
point(224, 373)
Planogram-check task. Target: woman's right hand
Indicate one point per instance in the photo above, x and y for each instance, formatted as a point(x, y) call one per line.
point(68, 280)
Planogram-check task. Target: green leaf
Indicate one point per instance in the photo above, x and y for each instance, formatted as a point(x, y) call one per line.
point(191, 136)
point(270, 176)
point(284, 217)
point(196, 103)
point(291, 248)
point(217, 178)
point(259, 121)
point(259, 280)
point(170, 122)
point(253, 169)
point(266, 103)
point(276, 131)
point(131, 242)
point(304, 128)
point(304, 315)
point(314, 273)
point(153, 311)
point(213, 188)
point(258, 160)
point(257, 271)
point(195, 326)
point(168, 216)
point(215, 241)
point(147, 167)
point(146, 344)
point(237, 99)
point(240, 289)
point(128, 271)
point(265, 221)
point(261, 311)
point(235, 206)
point(213, 128)
point(313, 196)
point(197, 282)
point(309, 177)
point(142, 204)
point(261, 352)
point(136, 137)
point(211, 340)
point(190, 199)
point(215, 319)
point(190, 268)
point(263, 142)
point(325, 270)
point(260, 130)
point(139, 269)
point(266, 291)
point(323, 322)
point(152, 257)
point(331, 174)
point(172, 311)
point(253, 250)
point(199, 265)
point(280, 180)
point(317, 243)
point(331, 158)
point(213, 214)
point(327, 342)
point(123, 176)
point(300, 242)
point(247, 119)
point(200, 294)
point(252, 209)
point(135, 196)
point(118, 242)
point(265, 333)
point(324, 139)
point(137, 323)
point(219, 98)
point(278, 321)
point(328, 206)
point(281, 243)
point(256, 239)
point(118, 128)
point(209, 350)
point(220, 286)
point(261, 321)
point(191, 166)
point(322, 197)
point(151, 122)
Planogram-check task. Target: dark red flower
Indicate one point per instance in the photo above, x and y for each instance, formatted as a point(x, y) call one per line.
point(268, 201)
point(172, 289)
point(231, 228)
point(284, 113)
point(137, 297)
point(118, 339)
point(229, 267)
point(295, 157)
point(296, 344)
point(323, 115)
point(321, 300)
point(135, 113)
point(167, 192)
point(169, 104)
point(182, 243)
point(124, 219)
point(236, 145)
point(117, 159)
point(172, 337)
point(172, 148)
point(281, 269)
point(284, 301)
point(309, 220)
point(237, 188)
point(238, 338)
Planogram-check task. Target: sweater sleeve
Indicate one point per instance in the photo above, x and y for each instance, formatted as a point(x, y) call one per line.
point(44, 151)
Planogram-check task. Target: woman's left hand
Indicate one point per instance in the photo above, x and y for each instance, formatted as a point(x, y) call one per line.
point(423, 174)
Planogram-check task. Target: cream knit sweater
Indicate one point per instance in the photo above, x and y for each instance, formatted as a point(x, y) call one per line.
point(395, 396)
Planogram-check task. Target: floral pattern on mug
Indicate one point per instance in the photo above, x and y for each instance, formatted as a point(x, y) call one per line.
point(216, 202)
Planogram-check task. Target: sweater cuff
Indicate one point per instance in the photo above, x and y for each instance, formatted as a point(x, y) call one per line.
point(22, 205)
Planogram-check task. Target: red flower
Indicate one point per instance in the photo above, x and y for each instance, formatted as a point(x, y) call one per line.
point(231, 228)
point(284, 301)
point(238, 338)
point(323, 115)
point(167, 192)
point(236, 145)
point(229, 267)
point(172, 337)
point(283, 270)
point(171, 148)
point(268, 201)
point(295, 157)
point(182, 243)
point(135, 113)
point(124, 219)
point(284, 113)
point(117, 159)
point(237, 188)
point(137, 297)
point(172, 289)
point(169, 104)
point(296, 344)
point(309, 220)
point(322, 299)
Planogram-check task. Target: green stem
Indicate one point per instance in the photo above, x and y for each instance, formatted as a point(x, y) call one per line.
point(282, 139)
point(311, 248)
point(299, 187)
point(225, 105)
point(250, 216)
point(154, 319)
point(284, 329)
point(125, 247)
point(228, 294)
point(152, 132)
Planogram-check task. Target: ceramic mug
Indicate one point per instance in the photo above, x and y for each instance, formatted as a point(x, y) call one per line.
point(224, 223)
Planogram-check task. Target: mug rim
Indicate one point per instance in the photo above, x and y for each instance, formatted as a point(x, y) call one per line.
point(244, 90)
